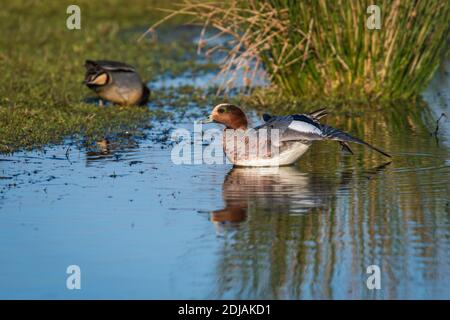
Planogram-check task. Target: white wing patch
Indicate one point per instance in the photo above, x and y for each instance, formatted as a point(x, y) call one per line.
point(304, 127)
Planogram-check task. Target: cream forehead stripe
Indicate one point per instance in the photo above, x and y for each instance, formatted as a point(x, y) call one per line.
point(222, 105)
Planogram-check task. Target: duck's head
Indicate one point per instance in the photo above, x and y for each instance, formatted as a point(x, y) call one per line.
point(231, 116)
point(95, 76)
point(96, 80)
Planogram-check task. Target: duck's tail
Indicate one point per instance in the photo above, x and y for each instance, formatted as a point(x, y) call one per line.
point(145, 95)
point(343, 137)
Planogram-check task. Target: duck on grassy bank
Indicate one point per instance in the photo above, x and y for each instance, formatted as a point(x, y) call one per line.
point(116, 82)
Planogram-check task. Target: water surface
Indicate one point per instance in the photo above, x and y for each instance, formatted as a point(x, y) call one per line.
point(140, 226)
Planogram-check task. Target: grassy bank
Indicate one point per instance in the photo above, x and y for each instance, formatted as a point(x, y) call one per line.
point(42, 99)
point(314, 49)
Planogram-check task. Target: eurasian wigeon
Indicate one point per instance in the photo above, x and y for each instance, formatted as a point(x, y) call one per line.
point(294, 135)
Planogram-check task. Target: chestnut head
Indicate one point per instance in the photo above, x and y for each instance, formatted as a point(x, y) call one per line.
point(230, 115)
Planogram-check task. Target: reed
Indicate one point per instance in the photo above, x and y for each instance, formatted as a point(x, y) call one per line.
point(323, 48)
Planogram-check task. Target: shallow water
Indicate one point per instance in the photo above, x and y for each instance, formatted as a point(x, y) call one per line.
point(140, 226)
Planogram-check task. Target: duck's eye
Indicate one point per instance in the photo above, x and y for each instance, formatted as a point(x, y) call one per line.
point(221, 110)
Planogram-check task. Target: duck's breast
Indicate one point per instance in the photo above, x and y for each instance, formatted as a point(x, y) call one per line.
point(263, 154)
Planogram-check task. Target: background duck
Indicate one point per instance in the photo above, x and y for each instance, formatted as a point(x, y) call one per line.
point(295, 135)
point(116, 81)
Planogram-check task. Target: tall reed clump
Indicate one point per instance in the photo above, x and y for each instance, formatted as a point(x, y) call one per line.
point(323, 48)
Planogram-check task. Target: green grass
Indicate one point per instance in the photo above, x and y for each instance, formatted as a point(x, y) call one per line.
point(42, 99)
point(313, 49)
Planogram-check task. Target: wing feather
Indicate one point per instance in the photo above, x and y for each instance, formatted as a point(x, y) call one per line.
point(108, 65)
point(304, 127)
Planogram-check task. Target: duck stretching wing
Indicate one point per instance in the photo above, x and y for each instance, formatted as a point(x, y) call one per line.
point(306, 127)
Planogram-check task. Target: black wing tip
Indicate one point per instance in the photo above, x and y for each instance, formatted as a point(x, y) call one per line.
point(377, 150)
point(341, 136)
point(346, 147)
point(385, 154)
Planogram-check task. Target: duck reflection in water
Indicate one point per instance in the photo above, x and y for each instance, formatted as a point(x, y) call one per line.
point(275, 190)
point(111, 149)
point(282, 190)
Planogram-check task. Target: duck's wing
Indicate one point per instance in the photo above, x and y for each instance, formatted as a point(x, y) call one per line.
point(266, 117)
point(322, 112)
point(107, 65)
point(317, 114)
point(303, 127)
point(331, 133)
point(280, 123)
